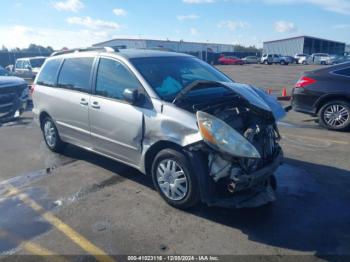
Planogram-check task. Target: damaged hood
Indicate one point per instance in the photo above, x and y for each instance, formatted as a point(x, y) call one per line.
point(252, 95)
point(10, 81)
point(258, 98)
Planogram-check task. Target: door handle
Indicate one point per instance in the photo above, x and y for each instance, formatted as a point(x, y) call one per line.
point(95, 105)
point(84, 102)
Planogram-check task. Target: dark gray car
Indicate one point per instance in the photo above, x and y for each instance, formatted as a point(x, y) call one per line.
point(13, 97)
point(325, 93)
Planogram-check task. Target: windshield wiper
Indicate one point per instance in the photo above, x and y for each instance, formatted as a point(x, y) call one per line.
point(198, 84)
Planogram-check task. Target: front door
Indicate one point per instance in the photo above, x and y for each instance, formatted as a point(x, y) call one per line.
point(116, 126)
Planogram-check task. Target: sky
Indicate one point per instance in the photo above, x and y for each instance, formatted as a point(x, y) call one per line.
point(81, 23)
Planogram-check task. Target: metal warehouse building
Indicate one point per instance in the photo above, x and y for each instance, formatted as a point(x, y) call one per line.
point(198, 49)
point(347, 49)
point(304, 45)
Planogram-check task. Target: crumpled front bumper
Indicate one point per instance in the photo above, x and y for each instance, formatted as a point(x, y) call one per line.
point(257, 194)
point(14, 108)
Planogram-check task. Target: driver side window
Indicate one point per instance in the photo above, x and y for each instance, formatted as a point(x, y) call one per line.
point(113, 78)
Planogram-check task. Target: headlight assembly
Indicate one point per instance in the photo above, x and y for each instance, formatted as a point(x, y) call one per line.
point(222, 137)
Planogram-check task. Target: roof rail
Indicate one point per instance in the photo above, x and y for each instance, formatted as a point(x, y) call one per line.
point(88, 49)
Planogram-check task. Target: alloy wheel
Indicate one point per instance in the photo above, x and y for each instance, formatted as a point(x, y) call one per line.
point(336, 115)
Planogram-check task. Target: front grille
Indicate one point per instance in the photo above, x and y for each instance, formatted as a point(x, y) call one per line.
point(9, 99)
point(265, 141)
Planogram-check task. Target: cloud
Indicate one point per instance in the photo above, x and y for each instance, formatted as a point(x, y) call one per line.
point(232, 25)
point(120, 12)
point(194, 31)
point(187, 17)
point(338, 6)
point(95, 24)
point(342, 26)
point(69, 5)
point(198, 1)
point(21, 36)
point(285, 27)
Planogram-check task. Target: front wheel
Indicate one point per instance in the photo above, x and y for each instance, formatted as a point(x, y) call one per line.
point(174, 179)
point(51, 135)
point(335, 115)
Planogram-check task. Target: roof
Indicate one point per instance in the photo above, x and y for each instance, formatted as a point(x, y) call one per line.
point(139, 53)
point(163, 41)
point(303, 36)
point(126, 53)
point(34, 57)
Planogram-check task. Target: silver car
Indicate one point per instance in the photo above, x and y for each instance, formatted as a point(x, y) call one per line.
point(197, 133)
point(29, 67)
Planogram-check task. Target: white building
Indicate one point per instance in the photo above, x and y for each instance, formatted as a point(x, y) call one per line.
point(198, 49)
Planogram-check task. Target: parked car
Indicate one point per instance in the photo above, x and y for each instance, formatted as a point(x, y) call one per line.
point(13, 97)
point(325, 93)
point(251, 60)
point(300, 58)
point(230, 60)
point(28, 68)
point(319, 59)
point(198, 134)
point(270, 59)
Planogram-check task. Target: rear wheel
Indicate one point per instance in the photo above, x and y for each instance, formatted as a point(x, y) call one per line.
point(174, 179)
point(51, 136)
point(335, 115)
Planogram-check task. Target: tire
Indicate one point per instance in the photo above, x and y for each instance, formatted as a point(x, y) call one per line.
point(304, 63)
point(335, 115)
point(51, 135)
point(265, 62)
point(282, 62)
point(186, 195)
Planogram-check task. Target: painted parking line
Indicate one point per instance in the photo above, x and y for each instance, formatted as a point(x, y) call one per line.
point(80, 240)
point(31, 247)
point(316, 139)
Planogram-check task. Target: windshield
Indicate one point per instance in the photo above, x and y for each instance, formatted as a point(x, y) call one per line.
point(37, 62)
point(169, 75)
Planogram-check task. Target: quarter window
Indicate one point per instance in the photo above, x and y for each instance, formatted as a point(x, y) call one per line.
point(113, 78)
point(75, 74)
point(48, 74)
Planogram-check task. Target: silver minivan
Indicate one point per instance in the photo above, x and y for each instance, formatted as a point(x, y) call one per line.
point(197, 133)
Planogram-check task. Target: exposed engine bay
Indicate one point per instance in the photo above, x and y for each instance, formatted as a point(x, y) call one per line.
point(231, 173)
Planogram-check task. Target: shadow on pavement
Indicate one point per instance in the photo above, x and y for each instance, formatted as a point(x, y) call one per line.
point(312, 212)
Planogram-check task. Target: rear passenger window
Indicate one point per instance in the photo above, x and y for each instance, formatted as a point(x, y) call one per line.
point(113, 78)
point(48, 74)
point(75, 74)
point(343, 72)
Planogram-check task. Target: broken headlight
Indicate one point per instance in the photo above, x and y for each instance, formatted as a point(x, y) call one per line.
point(222, 137)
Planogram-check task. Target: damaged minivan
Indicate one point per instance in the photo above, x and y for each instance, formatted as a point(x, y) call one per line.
point(197, 133)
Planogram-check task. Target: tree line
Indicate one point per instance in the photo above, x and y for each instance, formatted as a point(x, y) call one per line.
point(32, 48)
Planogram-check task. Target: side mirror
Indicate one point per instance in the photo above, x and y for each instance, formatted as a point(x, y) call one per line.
point(28, 67)
point(131, 95)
